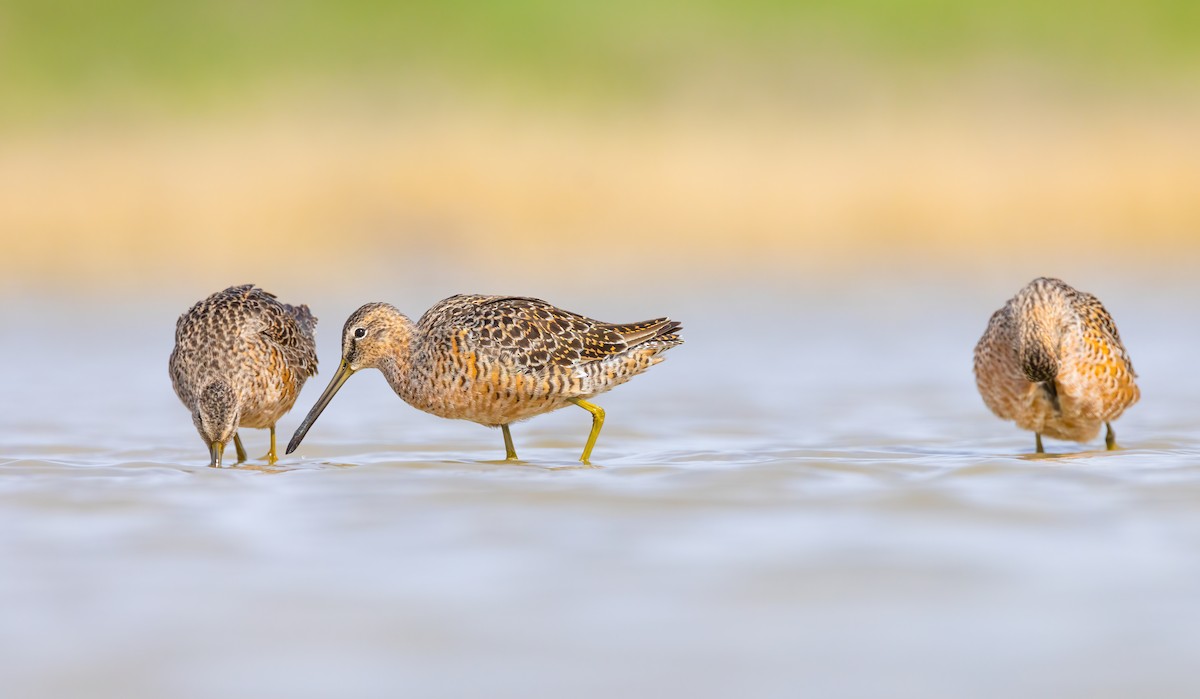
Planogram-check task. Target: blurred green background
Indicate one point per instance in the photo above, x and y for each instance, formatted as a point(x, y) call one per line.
point(147, 143)
point(57, 53)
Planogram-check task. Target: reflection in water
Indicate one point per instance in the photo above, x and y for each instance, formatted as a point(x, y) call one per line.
point(760, 532)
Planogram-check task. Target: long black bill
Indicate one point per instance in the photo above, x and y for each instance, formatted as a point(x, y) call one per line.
point(343, 373)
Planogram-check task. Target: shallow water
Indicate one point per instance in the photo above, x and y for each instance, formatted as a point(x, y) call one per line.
point(799, 502)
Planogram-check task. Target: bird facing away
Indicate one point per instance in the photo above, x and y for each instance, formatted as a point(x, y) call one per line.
point(496, 360)
point(240, 359)
point(1051, 360)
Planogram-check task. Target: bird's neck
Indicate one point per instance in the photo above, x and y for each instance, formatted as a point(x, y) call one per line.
point(396, 365)
point(395, 371)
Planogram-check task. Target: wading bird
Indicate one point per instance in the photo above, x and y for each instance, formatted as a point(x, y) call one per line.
point(1051, 360)
point(240, 359)
point(496, 360)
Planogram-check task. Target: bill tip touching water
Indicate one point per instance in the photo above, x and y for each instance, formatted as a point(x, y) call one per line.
point(1052, 361)
point(496, 360)
point(240, 359)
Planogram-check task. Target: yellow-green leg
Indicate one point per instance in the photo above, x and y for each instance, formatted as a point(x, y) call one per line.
point(241, 451)
point(1040, 450)
point(271, 457)
point(597, 422)
point(510, 454)
point(1110, 437)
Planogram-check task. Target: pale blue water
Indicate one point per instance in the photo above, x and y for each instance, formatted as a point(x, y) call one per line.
point(806, 499)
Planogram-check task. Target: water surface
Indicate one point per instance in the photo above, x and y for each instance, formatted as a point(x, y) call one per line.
point(806, 499)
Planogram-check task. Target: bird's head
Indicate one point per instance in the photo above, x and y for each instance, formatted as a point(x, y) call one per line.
point(216, 417)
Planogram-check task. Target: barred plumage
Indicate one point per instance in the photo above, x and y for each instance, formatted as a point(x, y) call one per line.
point(1052, 361)
point(240, 359)
point(496, 360)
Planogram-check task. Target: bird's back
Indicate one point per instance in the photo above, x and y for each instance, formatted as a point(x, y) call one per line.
point(498, 359)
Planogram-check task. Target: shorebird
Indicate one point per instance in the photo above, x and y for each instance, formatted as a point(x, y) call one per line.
point(240, 359)
point(1051, 360)
point(496, 360)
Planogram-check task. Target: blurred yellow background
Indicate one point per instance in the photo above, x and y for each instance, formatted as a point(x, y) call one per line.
point(530, 142)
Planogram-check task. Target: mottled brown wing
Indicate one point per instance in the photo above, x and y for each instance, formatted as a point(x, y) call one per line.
point(289, 328)
point(179, 378)
point(533, 334)
point(1099, 324)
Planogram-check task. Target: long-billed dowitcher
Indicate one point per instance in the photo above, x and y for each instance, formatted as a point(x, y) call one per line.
point(240, 359)
point(496, 360)
point(1051, 360)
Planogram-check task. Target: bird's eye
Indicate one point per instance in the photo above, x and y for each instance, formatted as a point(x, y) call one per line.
point(360, 333)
